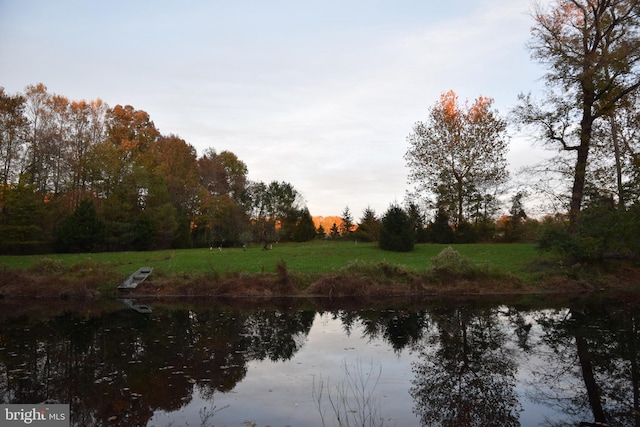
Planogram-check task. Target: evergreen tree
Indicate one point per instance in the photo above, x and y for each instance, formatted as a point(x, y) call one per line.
point(397, 233)
point(82, 231)
point(144, 234)
point(347, 223)
point(417, 218)
point(465, 233)
point(369, 228)
point(440, 230)
point(305, 229)
point(334, 232)
point(513, 226)
point(21, 213)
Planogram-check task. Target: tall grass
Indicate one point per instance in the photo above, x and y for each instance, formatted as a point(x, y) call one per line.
point(350, 401)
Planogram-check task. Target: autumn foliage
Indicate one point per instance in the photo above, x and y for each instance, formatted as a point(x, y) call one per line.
point(67, 163)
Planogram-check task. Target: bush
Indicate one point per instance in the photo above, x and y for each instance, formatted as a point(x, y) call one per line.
point(451, 261)
point(601, 232)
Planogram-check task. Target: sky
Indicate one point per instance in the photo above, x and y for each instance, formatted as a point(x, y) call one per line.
point(320, 94)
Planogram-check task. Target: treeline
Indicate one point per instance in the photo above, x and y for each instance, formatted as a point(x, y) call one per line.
point(81, 176)
point(404, 226)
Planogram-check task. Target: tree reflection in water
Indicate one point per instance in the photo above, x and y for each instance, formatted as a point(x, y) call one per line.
point(402, 329)
point(119, 368)
point(590, 371)
point(466, 374)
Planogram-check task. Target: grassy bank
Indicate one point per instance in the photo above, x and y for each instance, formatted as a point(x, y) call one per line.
point(318, 267)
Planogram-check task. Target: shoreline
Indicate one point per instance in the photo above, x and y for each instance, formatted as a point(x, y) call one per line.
point(101, 284)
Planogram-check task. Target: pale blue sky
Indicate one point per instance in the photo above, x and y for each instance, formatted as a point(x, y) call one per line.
point(321, 94)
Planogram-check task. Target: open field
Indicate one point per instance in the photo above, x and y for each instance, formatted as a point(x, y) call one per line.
point(318, 268)
point(316, 257)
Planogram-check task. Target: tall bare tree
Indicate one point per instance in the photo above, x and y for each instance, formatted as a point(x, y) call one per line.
point(36, 113)
point(12, 129)
point(58, 137)
point(592, 51)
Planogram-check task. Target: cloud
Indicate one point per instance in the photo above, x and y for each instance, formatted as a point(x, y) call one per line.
point(320, 95)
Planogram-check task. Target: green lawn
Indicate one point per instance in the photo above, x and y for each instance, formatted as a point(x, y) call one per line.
point(310, 257)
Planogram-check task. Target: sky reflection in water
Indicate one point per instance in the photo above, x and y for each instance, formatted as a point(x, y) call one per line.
point(280, 393)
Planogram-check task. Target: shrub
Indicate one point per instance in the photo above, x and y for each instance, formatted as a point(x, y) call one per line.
point(451, 261)
point(602, 232)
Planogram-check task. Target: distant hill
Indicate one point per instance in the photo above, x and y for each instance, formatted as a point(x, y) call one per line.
point(328, 221)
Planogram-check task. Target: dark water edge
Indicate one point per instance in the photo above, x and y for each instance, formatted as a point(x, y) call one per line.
point(42, 307)
point(504, 360)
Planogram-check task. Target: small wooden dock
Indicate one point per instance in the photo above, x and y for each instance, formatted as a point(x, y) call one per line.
point(136, 278)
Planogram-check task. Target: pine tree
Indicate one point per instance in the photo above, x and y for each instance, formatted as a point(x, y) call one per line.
point(320, 232)
point(334, 232)
point(347, 223)
point(305, 229)
point(397, 233)
point(369, 227)
point(440, 230)
point(82, 231)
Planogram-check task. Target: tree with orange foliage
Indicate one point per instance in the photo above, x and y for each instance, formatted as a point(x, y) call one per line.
point(458, 152)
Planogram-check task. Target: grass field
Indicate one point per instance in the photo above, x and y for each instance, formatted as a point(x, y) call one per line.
point(318, 257)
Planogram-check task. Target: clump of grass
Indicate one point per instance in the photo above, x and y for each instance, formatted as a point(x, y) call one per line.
point(87, 265)
point(341, 286)
point(351, 401)
point(282, 272)
point(380, 272)
point(48, 266)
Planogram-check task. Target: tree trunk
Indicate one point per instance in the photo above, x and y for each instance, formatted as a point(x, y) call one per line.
point(579, 178)
point(459, 208)
point(593, 391)
point(616, 151)
point(577, 192)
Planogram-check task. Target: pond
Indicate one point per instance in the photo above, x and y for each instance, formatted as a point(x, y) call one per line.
point(497, 362)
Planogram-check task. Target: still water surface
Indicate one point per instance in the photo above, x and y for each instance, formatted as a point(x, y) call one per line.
point(435, 363)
